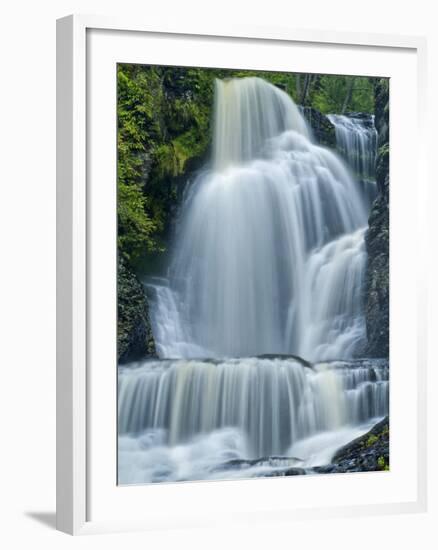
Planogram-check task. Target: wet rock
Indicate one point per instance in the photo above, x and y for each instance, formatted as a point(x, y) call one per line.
point(134, 332)
point(280, 461)
point(369, 452)
point(323, 129)
point(283, 357)
point(377, 238)
point(289, 472)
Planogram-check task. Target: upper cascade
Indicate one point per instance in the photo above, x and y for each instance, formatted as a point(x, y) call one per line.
point(356, 138)
point(248, 112)
point(270, 253)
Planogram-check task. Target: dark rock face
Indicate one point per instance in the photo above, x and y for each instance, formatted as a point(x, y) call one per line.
point(367, 453)
point(322, 128)
point(134, 333)
point(377, 239)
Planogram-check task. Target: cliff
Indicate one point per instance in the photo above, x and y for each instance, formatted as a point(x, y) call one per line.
point(377, 239)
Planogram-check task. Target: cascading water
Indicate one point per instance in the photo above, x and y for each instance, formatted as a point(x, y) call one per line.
point(269, 259)
point(270, 253)
point(356, 139)
point(193, 419)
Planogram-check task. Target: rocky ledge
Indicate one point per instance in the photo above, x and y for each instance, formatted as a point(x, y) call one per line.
point(368, 453)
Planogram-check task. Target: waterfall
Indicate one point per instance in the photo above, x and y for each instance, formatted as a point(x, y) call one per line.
point(269, 256)
point(253, 407)
point(356, 139)
point(248, 112)
point(268, 260)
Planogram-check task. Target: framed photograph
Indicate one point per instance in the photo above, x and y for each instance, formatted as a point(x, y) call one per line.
point(241, 288)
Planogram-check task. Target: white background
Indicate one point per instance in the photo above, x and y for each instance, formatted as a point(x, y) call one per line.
point(27, 217)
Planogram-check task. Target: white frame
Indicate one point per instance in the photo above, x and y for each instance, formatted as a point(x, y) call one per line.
point(72, 258)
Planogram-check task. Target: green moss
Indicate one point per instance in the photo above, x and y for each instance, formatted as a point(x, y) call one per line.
point(382, 464)
point(371, 440)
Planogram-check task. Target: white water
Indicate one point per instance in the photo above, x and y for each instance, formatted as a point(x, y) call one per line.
point(269, 256)
point(269, 259)
point(356, 138)
point(248, 112)
point(187, 419)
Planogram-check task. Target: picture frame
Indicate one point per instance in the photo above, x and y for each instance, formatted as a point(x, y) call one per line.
point(81, 470)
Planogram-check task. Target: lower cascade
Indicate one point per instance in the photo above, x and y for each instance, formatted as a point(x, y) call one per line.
point(198, 419)
point(268, 263)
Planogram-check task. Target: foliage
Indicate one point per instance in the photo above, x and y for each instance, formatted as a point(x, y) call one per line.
point(138, 126)
point(136, 227)
point(326, 93)
point(163, 122)
point(332, 91)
